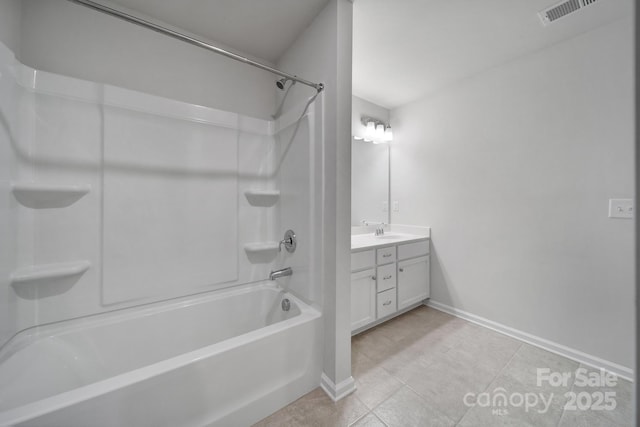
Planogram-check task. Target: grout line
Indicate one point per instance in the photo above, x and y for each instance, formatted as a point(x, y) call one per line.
point(573, 386)
point(430, 406)
point(365, 415)
point(359, 418)
point(496, 376)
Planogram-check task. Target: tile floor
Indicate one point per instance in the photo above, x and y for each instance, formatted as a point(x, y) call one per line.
point(416, 369)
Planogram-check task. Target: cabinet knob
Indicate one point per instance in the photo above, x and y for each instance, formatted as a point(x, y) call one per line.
point(387, 277)
point(386, 303)
point(401, 270)
point(373, 277)
point(386, 255)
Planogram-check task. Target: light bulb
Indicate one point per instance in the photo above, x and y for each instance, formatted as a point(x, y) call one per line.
point(370, 133)
point(388, 134)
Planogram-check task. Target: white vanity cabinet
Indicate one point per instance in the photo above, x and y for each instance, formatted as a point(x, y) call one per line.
point(413, 281)
point(387, 279)
point(363, 288)
point(363, 298)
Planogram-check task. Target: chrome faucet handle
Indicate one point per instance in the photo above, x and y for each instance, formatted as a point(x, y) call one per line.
point(289, 242)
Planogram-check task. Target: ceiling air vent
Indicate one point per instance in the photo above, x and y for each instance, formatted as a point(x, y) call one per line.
point(562, 9)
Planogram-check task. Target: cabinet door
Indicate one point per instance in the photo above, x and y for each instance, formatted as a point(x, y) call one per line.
point(363, 298)
point(413, 281)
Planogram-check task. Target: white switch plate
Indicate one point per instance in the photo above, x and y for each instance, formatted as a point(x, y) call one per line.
point(396, 206)
point(621, 208)
point(385, 206)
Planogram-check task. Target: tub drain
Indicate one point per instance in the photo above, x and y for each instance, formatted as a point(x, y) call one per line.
point(286, 304)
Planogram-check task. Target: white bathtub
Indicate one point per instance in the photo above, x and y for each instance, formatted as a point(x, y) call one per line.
point(229, 358)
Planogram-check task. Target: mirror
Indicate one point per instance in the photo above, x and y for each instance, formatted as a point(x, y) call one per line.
point(369, 168)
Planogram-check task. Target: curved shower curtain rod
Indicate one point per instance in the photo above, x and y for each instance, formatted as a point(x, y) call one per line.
point(150, 25)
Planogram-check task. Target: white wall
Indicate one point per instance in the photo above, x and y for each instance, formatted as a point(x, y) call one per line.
point(323, 54)
point(369, 167)
point(513, 170)
point(70, 39)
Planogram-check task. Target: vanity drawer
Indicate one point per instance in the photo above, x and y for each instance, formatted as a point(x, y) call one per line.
point(386, 277)
point(386, 303)
point(386, 255)
point(412, 250)
point(362, 260)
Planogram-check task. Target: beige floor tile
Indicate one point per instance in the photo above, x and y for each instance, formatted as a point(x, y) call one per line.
point(540, 358)
point(317, 409)
point(587, 419)
point(525, 364)
point(369, 420)
point(361, 363)
point(490, 350)
point(375, 385)
point(444, 383)
point(406, 408)
point(410, 362)
point(623, 396)
point(281, 418)
point(485, 418)
point(544, 407)
point(374, 345)
point(430, 314)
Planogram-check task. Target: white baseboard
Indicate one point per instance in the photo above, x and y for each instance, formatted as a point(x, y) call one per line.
point(337, 391)
point(577, 355)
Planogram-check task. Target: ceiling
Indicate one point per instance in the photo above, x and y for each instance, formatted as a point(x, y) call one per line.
point(404, 50)
point(259, 28)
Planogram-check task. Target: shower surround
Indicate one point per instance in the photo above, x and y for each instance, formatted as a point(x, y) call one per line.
point(119, 200)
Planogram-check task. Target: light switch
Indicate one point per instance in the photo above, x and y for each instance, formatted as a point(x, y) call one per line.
point(385, 206)
point(621, 208)
point(396, 206)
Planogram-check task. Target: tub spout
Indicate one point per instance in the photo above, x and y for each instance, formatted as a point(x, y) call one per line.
point(280, 273)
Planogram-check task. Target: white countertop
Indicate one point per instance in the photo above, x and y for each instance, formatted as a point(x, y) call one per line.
point(370, 241)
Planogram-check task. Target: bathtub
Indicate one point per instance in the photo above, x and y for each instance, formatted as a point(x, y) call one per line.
point(228, 358)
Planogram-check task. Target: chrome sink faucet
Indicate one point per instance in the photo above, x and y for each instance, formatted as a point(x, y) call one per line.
point(280, 273)
point(379, 226)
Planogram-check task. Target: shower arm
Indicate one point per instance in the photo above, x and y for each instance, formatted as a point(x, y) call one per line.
point(191, 40)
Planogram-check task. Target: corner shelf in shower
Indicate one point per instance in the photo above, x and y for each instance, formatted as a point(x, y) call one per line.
point(43, 196)
point(264, 198)
point(261, 247)
point(39, 274)
point(261, 252)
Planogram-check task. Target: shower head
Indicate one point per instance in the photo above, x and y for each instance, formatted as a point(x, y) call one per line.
point(281, 83)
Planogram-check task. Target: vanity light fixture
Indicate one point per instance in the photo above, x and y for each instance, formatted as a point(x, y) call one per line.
point(373, 130)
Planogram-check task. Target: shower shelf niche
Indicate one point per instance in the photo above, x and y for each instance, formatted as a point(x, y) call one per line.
point(261, 247)
point(261, 252)
point(43, 196)
point(264, 198)
point(38, 274)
